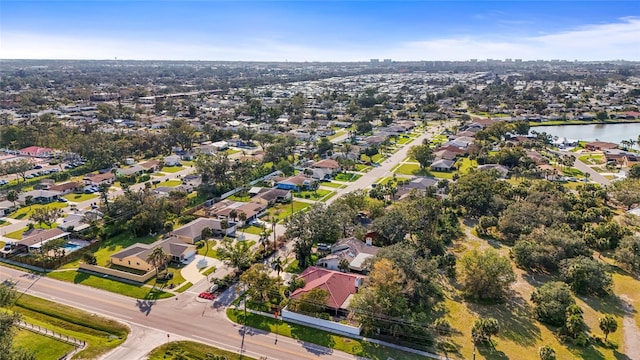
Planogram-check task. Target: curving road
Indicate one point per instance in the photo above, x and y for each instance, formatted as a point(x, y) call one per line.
point(182, 318)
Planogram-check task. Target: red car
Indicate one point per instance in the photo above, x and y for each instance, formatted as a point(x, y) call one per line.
point(206, 295)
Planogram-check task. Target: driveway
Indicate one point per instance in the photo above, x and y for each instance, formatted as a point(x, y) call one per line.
point(191, 272)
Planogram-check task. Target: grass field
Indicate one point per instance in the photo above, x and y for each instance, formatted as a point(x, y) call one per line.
point(192, 350)
point(312, 195)
point(100, 334)
point(170, 183)
point(212, 252)
point(43, 347)
point(302, 333)
point(592, 159)
point(442, 175)
point(184, 287)
point(572, 172)
point(80, 197)
point(172, 169)
point(408, 169)
point(465, 164)
point(404, 140)
point(362, 168)
point(326, 184)
point(237, 197)
point(284, 210)
point(252, 229)
point(138, 292)
point(25, 212)
point(347, 177)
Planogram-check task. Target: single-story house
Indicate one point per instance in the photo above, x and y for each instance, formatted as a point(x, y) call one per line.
point(445, 154)
point(171, 160)
point(220, 145)
point(39, 196)
point(38, 237)
point(7, 207)
point(501, 169)
point(600, 145)
point(68, 187)
point(132, 170)
point(73, 222)
point(319, 174)
point(296, 183)
point(192, 180)
point(421, 183)
point(269, 197)
point(328, 164)
point(340, 286)
point(135, 256)
point(224, 208)
point(36, 151)
point(192, 231)
point(151, 165)
point(98, 179)
point(443, 165)
point(354, 251)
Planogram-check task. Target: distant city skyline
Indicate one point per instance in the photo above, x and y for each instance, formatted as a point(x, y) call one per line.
point(320, 31)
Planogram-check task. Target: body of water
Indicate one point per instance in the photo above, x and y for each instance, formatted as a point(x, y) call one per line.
point(601, 132)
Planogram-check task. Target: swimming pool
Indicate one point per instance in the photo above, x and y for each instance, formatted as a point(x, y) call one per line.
point(70, 247)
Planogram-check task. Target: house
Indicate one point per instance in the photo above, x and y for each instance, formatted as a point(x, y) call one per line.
point(501, 169)
point(269, 197)
point(220, 145)
point(66, 188)
point(340, 286)
point(36, 151)
point(39, 196)
point(354, 251)
point(600, 145)
point(537, 158)
point(73, 222)
point(7, 207)
point(443, 165)
point(38, 237)
point(319, 174)
point(296, 183)
point(224, 209)
point(132, 170)
point(620, 157)
point(98, 179)
point(445, 154)
point(135, 256)
point(151, 165)
point(192, 231)
point(327, 164)
point(421, 183)
point(171, 160)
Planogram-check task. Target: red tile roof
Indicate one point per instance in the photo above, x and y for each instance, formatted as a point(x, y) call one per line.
point(339, 285)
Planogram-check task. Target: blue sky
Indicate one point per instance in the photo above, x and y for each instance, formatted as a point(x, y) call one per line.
point(320, 30)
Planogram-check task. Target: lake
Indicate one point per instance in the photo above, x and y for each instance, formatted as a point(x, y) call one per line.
point(602, 132)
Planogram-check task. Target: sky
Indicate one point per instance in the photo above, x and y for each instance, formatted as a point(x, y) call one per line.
point(319, 30)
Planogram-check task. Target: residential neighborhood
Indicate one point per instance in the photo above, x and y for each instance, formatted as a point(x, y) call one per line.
point(366, 203)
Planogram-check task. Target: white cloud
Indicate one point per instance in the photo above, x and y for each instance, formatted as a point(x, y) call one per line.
point(620, 40)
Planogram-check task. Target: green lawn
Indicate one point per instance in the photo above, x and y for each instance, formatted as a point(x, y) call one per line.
point(303, 333)
point(172, 169)
point(232, 151)
point(442, 175)
point(328, 196)
point(362, 168)
point(326, 184)
point(337, 134)
point(377, 158)
point(138, 292)
point(404, 140)
point(312, 195)
point(592, 159)
point(347, 177)
point(43, 347)
point(408, 169)
point(465, 164)
point(572, 172)
point(252, 229)
point(284, 210)
point(4, 223)
point(170, 183)
point(237, 197)
point(80, 197)
point(101, 334)
point(192, 350)
point(25, 212)
point(176, 280)
point(184, 287)
point(209, 271)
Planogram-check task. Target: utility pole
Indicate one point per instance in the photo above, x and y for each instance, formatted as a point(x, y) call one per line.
point(244, 325)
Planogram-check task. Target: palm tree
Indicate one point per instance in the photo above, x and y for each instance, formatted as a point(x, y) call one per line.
point(157, 258)
point(205, 234)
point(278, 265)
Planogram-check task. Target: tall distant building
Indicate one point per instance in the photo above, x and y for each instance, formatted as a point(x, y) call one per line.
point(386, 61)
point(374, 61)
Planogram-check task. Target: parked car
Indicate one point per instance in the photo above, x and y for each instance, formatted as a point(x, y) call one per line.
point(38, 167)
point(63, 200)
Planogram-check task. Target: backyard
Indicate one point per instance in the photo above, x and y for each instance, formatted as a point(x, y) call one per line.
point(282, 211)
point(25, 212)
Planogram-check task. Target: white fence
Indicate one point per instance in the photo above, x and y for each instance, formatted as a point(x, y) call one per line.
point(319, 323)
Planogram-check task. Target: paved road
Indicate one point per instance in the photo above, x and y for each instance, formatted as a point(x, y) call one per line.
point(594, 175)
point(384, 169)
point(183, 317)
